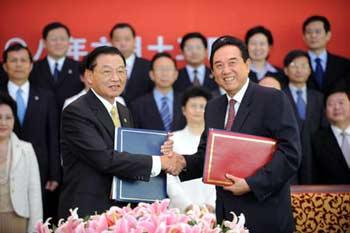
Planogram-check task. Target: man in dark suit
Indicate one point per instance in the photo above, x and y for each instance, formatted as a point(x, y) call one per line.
point(331, 145)
point(56, 72)
point(264, 198)
point(194, 49)
point(37, 116)
point(123, 37)
point(160, 109)
point(308, 109)
point(87, 139)
point(328, 70)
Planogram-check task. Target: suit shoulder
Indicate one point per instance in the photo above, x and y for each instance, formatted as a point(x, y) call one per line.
point(142, 100)
point(142, 61)
point(338, 58)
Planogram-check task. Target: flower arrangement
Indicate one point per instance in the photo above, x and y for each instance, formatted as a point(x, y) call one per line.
point(146, 218)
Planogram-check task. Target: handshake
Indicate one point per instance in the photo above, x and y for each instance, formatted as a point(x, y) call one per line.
point(172, 162)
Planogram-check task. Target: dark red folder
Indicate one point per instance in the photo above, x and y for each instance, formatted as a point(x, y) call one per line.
point(238, 154)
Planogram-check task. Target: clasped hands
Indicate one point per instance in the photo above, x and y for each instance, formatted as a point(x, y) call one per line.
point(172, 162)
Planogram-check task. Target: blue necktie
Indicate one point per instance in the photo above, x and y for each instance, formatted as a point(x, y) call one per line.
point(56, 72)
point(301, 106)
point(319, 73)
point(21, 107)
point(165, 113)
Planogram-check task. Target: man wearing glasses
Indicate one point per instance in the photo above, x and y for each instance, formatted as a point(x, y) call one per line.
point(87, 139)
point(194, 49)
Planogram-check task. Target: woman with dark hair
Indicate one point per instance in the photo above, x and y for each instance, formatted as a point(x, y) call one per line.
point(183, 195)
point(259, 41)
point(20, 193)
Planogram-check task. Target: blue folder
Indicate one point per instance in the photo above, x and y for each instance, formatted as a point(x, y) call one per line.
point(145, 142)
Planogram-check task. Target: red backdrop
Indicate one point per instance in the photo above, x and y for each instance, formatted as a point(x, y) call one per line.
point(158, 22)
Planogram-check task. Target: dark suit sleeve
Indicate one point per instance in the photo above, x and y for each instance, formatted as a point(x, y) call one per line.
point(82, 137)
point(280, 124)
point(53, 140)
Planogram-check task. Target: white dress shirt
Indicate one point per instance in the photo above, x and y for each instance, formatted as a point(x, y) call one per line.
point(156, 163)
point(52, 63)
point(200, 73)
point(183, 194)
point(12, 88)
point(323, 56)
point(238, 98)
point(294, 89)
point(337, 133)
point(130, 61)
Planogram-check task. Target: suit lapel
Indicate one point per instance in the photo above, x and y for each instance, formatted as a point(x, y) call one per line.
point(101, 113)
point(221, 113)
point(124, 118)
point(207, 77)
point(154, 109)
point(16, 152)
point(32, 106)
point(337, 154)
point(47, 72)
point(244, 108)
point(65, 73)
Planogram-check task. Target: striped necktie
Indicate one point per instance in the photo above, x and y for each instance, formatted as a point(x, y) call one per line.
point(165, 113)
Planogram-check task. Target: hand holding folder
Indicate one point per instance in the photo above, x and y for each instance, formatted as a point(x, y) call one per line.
point(240, 155)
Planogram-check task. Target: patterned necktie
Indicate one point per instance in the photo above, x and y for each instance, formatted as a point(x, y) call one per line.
point(319, 73)
point(345, 147)
point(165, 113)
point(231, 115)
point(196, 82)
point(21, 107)
point(56, 72)
point(301, 106)
point(115, 117)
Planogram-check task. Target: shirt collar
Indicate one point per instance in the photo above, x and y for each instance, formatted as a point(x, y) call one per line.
point(12, 87)
point(158, 95)
point(52, 63)
point(267, 68)
point(200, 69)
point(105, 102)
point(338, 131)
point(130, 64)
point(294, 89)
point(323, 56)
point(239, 95)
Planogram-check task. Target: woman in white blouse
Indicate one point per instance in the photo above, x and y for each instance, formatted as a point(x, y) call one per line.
point(20, 194)
point(184, 194)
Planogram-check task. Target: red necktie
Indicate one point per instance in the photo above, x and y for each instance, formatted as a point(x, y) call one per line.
point(231, 115)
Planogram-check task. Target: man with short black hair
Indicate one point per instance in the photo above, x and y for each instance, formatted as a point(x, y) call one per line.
point(328, 70)
point(57, 72)
point(87, 139)
point(37, 114)
point(331, 145)
point(123, 37)
point(264, 197)
point(161, 108)
point(194, 49)
point(308, 109)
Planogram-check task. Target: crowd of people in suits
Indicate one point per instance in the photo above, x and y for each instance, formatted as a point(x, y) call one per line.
point(316, 83)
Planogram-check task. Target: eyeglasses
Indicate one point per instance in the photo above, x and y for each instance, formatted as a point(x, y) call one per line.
point(164, 70)
point(108, 73)
point(190, 48)
point(58, 38)
point(302, 66)
point(314, 31)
